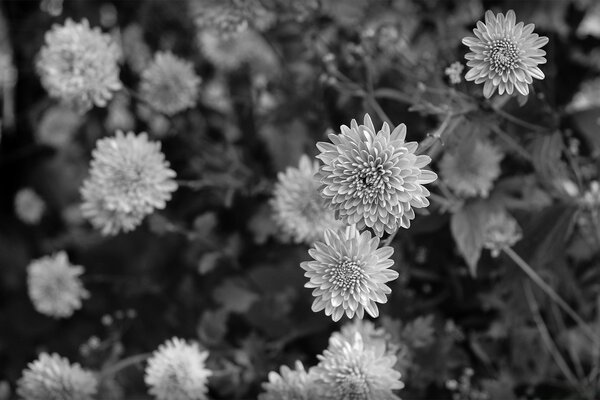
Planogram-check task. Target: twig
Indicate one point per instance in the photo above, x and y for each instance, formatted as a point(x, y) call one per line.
point(518, 121)
point(512, 143)
point(124, 363)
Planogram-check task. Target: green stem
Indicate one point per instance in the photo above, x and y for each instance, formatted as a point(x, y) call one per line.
point(551, 293)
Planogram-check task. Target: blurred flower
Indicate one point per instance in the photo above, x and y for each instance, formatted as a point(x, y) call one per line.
point(228, 18)
point(454, 72)
point(371, 335)
point(501, 230)
point(471, 167)
point(215, 94)
point(504, 55)
point(293, 384)
point(52, 377)
point(348, 370)
point(298, 207)
point(129, 179)
point(169, 84)
point(52, 7)
point(135, 50)
point(177, 371)
point(54, 286)
point(78, 65)
point(349, 273)
point(58, 125)
point(29, 207)
point(119, 117)
point(373, 178)
point(587, 97)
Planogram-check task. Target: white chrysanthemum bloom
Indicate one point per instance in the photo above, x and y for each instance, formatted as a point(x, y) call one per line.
point(29, 206)
point(504, 55)
point(298, 207)
point(78, 65)
point(52, 377)
point(129, 179)
point(501, 230)
point(373, 178)
point(54, 285)
point(349, 273)
point(291, 384)
point(177, 371)
point(349, 370)
point(169, 84)
point(471, 167)
point(454, 72)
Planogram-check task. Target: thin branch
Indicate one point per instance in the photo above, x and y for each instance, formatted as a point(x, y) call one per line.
point(124, 363)
point(512, 143)
point(518, 121)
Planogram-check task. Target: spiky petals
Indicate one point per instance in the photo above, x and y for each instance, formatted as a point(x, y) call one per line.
point(349, 370)
point(504, 55)
point(373, 178)
point(349, 273)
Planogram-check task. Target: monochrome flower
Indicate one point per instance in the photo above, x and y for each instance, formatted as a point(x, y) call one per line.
point(504, 55)
point(129, 179)
point(348, 370)
point(298, 207)
point(349, 273)
point(501, 230)
point(177, 371)
point(54, 285)
point(52, 377)
point(454, 72)
point(78, 65)
point(291, 384)
point(373, 178)
point(169, 84)
point(29, 206)
point(471, 167)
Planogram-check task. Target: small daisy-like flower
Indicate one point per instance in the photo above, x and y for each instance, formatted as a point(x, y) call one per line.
point(471, 168)
point(348, 370)
point(129, 179)
point(298, 207)
point(54, 285)
point(454, 72)
point(170, 84)
point(29, 206)
point(504, 55)
point(78, 65)
point(501, 230)
point(177, 371)
point(52, 377)
point(292, 384)
point(373, 178)
point(349, 273)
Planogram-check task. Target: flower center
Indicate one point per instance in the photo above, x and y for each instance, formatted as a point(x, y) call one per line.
point(503, 55)
point(352, 385)
point(346, 275)
point(369, 180)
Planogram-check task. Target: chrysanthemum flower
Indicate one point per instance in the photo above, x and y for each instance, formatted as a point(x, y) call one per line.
point(78, 65)
point(169, 84)
point(373, 178)
point(298, 207)
point(348, 370)
point(177, 371)
point(54, 285)
point(349, 273)
point(504, 55)
point(471, 167)
point(501, 230)
point(293, 384)
point(52, 377)
point(29, 206)
point(129, 179)
point(454, 72)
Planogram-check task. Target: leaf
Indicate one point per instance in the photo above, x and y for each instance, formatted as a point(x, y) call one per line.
point(212, 326)
point(467, 227)
point(233, 297)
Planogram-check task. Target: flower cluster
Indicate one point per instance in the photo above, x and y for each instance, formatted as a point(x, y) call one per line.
point(79, 65)
point(129, 179)
point(298, 207)
point(52, 377)
point(504, 55)
point(177, 371)
point(169, 84)
point(374, 178)
point(349, 273)
point(54, 285)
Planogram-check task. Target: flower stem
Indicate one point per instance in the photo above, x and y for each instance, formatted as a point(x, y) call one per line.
point(551, 293)
point(124, 363)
